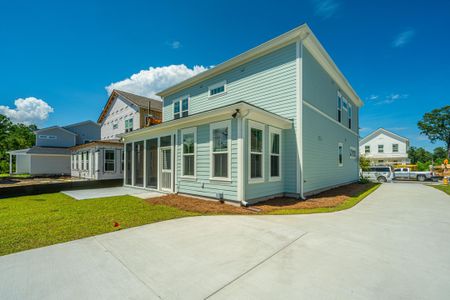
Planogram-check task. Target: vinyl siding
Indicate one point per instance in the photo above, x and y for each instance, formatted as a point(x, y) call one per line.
point(320, 90)
point(202, 185)
point(85, 132)
point(50, 165)
point(63, 138)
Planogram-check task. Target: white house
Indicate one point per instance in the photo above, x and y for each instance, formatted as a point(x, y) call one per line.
point(124, 112)
point(385, 147)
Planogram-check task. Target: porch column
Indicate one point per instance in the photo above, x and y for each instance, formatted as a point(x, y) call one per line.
point(10, 163)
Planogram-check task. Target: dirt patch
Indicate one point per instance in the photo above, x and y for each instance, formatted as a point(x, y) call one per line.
point(199, 205)
point(16, 181)
point(331, 198)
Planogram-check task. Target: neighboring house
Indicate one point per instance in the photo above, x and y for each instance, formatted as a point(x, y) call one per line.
point(277, 120)
point(385, 147)
point(125, 112)
point(51, 154)
point(103, 158)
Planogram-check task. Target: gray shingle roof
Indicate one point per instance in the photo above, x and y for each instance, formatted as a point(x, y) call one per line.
point(141, 101)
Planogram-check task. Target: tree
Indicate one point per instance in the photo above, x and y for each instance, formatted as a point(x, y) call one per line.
point(421, 155)
point(13, 137)
point(364, 163)
point(439, 154)
point(436, 125)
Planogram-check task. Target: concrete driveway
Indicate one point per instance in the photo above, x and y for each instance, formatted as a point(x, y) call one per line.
point(393, 245)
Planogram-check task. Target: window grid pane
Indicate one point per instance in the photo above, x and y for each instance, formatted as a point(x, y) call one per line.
point(220, 140)
point(220, 164)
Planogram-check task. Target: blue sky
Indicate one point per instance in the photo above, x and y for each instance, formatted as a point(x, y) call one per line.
point(62, 55)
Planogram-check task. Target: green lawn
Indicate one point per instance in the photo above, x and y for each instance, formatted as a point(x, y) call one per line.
point(444, 188)
point(350, 202)
point(35, 221)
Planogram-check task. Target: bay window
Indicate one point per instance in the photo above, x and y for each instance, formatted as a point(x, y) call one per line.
point(220, 150)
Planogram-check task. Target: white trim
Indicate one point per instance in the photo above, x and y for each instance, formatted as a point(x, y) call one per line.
point(341, 147)
point(299, 118)
point(273, 130)
point(212, 127)
point(192, 130)
point(349, 116)
point(240, 160)
point(262, 127)
point(328, 117)
point(216, 85)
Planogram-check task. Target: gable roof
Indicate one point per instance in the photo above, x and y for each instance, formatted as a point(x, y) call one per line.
point(386, 132)
point(140, 101)
point(54, 127)
point(81, 123)
point(303, 33)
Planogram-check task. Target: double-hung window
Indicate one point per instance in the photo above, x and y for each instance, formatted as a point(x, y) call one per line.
point(340, 155)
point(181, 107)
point(129, 125)
point(395, 148)
point(339, 107)
point(275, 153)
point(110, 162)
point(188, 152)
point(366, 149)
point(217, 89)
point(256, 152)
point(380, 148)
point(220, 150)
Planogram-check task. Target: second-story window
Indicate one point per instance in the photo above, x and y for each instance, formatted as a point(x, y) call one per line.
point(217, 89)
point(339, 107)
point(380, 148)
point(115, 126)
point(181, 108)
point(129, 125)
point(350, 116)
point(366, 149)
point(394, 147)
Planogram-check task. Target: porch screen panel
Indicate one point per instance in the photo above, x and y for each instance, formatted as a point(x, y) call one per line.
point(128, 150)
point(139, 163)
point(151, 152)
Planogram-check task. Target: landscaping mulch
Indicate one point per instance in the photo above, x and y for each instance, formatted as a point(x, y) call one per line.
point(330, 198)
point(192, 204)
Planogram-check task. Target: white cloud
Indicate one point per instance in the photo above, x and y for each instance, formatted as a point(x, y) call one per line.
point(403, 38)
point(373, 97)
point(149, 82)
point(397, 128)
point(325, 8)
point(387, 99)
point(28, 111)
point(175, 44)
point(362, 129)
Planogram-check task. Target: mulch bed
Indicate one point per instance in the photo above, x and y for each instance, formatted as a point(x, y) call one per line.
point(330, 198)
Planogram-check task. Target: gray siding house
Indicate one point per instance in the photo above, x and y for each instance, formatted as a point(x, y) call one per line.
point(51, 153)
point(277, 120)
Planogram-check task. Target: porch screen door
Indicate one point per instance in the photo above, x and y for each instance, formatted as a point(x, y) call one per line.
point(166, 162)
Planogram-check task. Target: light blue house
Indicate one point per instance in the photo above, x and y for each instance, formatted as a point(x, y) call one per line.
point(277, 120)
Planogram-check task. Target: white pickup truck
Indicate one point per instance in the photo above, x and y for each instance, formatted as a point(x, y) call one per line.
point(407, 174)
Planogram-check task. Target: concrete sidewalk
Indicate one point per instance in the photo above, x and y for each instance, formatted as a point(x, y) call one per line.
point(111, 192)
point(393, 245)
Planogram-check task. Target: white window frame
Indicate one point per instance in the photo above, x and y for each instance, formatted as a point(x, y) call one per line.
point(341, 153)
point(213, 126)
point(273, 130)
point(345, 107)
point(356, 153)
point(192, 130)
point(339, 106)
point(47, 137)
point(127, 121)
point(216, 85)
point(382, 148)
point(365, 149)
point(259, 126)
point(180, 101)
point(104, 160)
